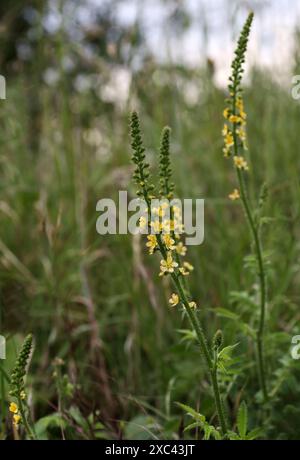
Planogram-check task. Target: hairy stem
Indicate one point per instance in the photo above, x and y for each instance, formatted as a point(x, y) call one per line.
point(261, 271)
point(25, 421)
point(195, 322)
point(262, 282)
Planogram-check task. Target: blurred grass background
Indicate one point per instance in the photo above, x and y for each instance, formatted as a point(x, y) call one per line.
point(96, 301)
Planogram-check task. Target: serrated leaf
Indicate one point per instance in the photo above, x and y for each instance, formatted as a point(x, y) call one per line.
point(242, 297)
point(208, 429)
point(242, 420)
point(191, 426)
point(233, 436)
point(225, 353)
point(254, 434)
point(187, 335)
point(190, 411)
point(225, 313)
point(247, 330)
point(49, 421)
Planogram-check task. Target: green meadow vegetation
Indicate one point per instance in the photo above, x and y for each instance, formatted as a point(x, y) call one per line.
point(98, 345)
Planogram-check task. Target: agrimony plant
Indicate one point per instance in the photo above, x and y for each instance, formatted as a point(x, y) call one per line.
point(235, 147)
point(18, 406)
point(165, 240)
point(209, 431)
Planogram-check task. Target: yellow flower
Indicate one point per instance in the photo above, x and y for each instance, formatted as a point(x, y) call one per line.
point(235, 195)
point(243, 116)
point(168, 225)
point(152, 243)
point(235, 119)
point(22, 395)
point(226, 152)
point(174, 299)
point(181, 249)
point(226, 113)
point(183, 271)
point(13, 408)
point(142, 222)
point(164, 205)
point(225, 129)
point(156, 225)
point(168, 265)
point(241, 133)
point(239, 104)
point(228, 140)
point(16, 419)
point(188, 266)
point(177, 211)
point(160, 211)
point(169, 242)
point(192, 304)
point(178, 226)
point(240, 163)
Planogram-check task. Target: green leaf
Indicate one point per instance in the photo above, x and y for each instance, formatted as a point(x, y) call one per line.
point(226, 351)
point(190, 411)
point(242, 420)
point(233, 436)
point(208, 429)
point(50, 421)
point(141, 427)
point(187, 335)
point(225, 313)
point(255, 433)
point(242, 297)
point(191, 426)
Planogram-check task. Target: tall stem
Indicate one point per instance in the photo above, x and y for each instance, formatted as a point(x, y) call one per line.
point(25, 421)
point(261, 271)
point(262, 282)
point(195, 322)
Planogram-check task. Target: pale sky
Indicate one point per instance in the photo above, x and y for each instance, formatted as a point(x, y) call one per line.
point(213, 32)
point(271, 42)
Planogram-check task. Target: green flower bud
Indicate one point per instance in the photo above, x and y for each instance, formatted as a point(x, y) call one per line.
point(218, 339)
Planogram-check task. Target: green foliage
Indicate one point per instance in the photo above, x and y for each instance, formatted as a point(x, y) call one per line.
point(17, 379)
point(224, 359)
point(165, 172)
point(240, 52)
point(208, 430)
point(242, 427)
point(55, 270)
point(218, 339)
point(141, 173)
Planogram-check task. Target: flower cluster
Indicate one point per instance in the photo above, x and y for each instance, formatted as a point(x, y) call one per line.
point(165, 220)
point(17, 384)
point(165, 239)
point(235, 195)
point(168, 233)
point(234, 129)
point(167, 187)
point(141, 173)
point(13, 407)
